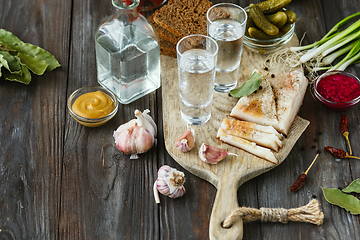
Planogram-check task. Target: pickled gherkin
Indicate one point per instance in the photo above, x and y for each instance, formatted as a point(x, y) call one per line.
point(272, 6)
point(261, 22)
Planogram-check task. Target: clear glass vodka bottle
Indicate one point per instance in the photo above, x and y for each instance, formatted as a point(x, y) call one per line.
point(127, 53)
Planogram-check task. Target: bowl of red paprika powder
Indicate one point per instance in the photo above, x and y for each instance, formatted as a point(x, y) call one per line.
point(337, 90)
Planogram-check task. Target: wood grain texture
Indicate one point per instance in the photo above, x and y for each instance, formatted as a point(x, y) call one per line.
point(60, 180)
point(32, 127)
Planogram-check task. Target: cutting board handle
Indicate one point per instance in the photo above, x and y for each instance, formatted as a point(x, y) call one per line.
point(225, 203)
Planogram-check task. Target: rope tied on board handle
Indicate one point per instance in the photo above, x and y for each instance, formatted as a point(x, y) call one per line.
point(309, 213)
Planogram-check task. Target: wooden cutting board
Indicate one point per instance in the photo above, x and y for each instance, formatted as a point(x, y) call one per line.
point(229, 174)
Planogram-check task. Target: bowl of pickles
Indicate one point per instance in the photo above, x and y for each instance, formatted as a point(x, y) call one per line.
point(268, 27)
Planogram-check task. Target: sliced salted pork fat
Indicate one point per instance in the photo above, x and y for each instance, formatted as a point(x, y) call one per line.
point(251, 147)
point(261, 118)
point(258, 107)
point(289, 90)
point(249, 132)
point(276, 103)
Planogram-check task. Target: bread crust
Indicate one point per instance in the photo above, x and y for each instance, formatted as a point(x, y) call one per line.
point(180, 18)
point(183, 18)
point(163, 33)
point(167, 48)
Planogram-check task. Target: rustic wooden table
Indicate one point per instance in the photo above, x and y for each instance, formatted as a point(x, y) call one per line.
point(60, 180)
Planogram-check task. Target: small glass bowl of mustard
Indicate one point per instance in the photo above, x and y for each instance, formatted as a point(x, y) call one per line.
point(92, 106)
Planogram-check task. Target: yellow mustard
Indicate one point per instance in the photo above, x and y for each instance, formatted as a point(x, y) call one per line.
point(93, 105)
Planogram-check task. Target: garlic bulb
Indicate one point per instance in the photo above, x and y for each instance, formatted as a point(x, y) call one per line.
point(169, 183)
point(137, 135)
point(212, 155)
point(186, 141)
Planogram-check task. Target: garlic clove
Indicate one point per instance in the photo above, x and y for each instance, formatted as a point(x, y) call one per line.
point(148, 118)
point(169, 183)
point(178, 192)
point(124, 140)
point(143, 122)
point(123, 127)
point(212, 155)
point(186, 141)
point(144, 140)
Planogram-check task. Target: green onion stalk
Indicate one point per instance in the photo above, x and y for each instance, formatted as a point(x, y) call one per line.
point(333, 45)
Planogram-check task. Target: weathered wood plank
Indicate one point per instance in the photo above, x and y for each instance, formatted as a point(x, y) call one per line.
point(59, 180)
point(104, 194)
point(32, 129)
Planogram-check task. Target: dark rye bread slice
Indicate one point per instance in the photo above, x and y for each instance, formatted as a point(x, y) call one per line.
point(183, 17)
point(167, 48)
point(164, 34)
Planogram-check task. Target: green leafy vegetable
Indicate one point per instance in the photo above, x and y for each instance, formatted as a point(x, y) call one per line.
point(35, 64)
point(13, 62)
point(249, 86)
point(35, 51)
point(8, 38)
point(17, 58)
point(23, 77)
point(4, 63)
point(346, 201)
point(353, 187)
point(337, 42)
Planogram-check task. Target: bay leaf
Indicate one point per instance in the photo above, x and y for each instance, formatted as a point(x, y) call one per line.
point(18, 57)
point(13, 62)
point(35, 64)
point(343, 200)
point(7, 37)
point(353, 187)
point(23, 77)
point(3, 62)
point(248, 87)
point(35, 51)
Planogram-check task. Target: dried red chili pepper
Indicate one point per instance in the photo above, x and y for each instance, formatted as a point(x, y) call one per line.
point(302, 178)
point(344, 130)
point(338, 153)
point(299, 183)
point(343, 124)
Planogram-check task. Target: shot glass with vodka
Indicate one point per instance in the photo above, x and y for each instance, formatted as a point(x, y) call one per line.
point(196, 59)
point(226, 24)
